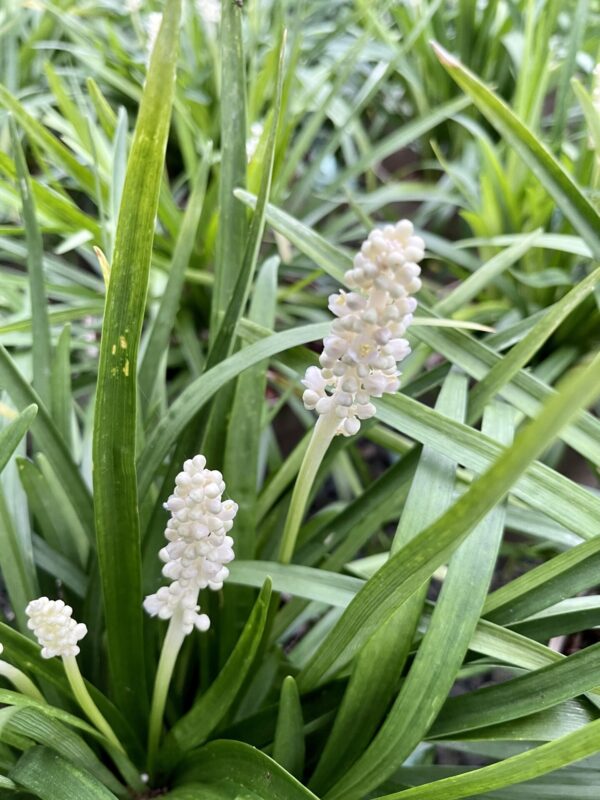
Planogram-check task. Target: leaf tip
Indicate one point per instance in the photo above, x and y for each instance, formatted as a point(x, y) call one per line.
point(445, 58)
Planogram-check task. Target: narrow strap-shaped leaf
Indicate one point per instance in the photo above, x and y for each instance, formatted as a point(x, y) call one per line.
point(245, 769)
point(12, 434)
point(407, 570)
point(41, 343)
point(553, 176)
point(539, 486)
point(48, 439)
point(504, 370)
point(288, 745)
point(535, 691)
point(374, 680)
point(232, 215)
point(39, 134)
point(196, 726)
point(556, 579)
point(524, 391)
point(60, 386)
point(115, 488)
point(517, 769)
point(51, 777)
point(223, 340)
point(25, 654)
point(53, 734)
point(203, 388)
point(16, 564)
point(160, 330)
point(453, 622)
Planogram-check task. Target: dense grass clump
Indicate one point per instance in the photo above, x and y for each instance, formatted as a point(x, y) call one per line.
point(299, 366)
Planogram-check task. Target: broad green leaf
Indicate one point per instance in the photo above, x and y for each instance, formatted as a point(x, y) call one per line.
point(114, 439)
point(397, 580)
point(243, 769)
point(196, 726)
point(549, 171)
point(288, 745)
point(50, 777)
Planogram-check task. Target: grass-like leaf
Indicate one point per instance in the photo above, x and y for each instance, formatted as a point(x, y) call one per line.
point(115, 489)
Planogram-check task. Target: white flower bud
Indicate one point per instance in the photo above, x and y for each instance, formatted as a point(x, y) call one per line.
point(54, 628)
point(199, 546)
point(360, 355)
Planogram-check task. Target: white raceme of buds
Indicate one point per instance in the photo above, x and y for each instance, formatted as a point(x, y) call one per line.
point(54, 628)
point(359, 357)
point(198, 548)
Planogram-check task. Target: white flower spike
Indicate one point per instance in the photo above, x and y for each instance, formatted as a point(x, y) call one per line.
point(199, 547)
point(54, 628)
point(359, 357)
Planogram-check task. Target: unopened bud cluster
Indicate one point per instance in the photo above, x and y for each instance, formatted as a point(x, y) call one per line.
point(198, 548)
point(359, 357)
point(54, 628)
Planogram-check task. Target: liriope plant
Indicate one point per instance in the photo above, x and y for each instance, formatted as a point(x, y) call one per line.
point(368, 540)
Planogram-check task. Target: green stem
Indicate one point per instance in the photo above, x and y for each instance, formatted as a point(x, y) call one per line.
point(21, 682)
point(323, 434)
point(84, 699)
point(168, 657)
point(113, 745)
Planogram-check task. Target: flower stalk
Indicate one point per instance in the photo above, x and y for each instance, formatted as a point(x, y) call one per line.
point(360, 355)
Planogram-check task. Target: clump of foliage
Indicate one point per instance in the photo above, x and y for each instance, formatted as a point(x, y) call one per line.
point(182, 188)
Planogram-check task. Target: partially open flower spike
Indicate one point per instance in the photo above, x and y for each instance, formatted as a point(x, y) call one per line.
point(58, 634)
point(360, 356)
point(195, 558)
point(19, 680)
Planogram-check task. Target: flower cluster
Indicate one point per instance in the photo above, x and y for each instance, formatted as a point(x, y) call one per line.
point(54, 628)
point(359, 357)
point(199, 546)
